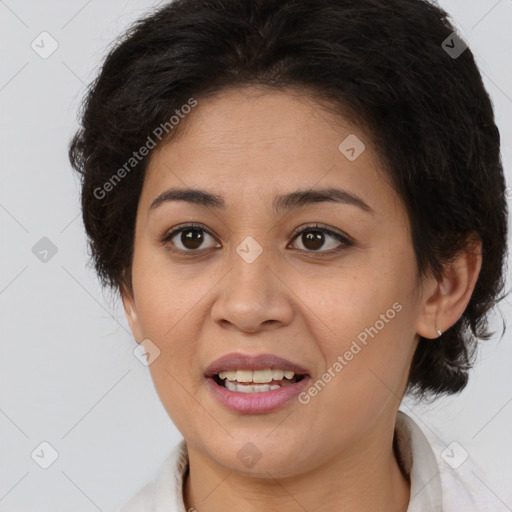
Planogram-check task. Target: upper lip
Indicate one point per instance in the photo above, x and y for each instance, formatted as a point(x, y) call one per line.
point(239, 361)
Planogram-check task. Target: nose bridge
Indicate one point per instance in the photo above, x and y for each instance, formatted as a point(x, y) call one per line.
point(251, 263)
point(251, 294)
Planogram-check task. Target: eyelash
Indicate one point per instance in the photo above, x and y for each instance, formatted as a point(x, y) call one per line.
point(344, 240)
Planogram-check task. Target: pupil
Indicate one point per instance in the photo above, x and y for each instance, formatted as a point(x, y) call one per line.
point(315, 238)
point(192, 238)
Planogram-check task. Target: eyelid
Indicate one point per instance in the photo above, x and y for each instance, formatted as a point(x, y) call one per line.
point(310, 227)
point(182, 227)
point(343, 238)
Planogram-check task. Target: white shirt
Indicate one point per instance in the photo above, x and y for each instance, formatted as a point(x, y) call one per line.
point(436, 486)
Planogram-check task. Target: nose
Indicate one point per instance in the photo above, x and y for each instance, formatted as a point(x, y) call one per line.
point(253, 296)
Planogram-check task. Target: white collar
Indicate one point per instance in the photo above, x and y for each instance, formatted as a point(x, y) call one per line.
point(435, 487)
point(419, 462)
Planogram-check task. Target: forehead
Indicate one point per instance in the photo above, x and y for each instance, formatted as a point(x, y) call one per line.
point(251, 141)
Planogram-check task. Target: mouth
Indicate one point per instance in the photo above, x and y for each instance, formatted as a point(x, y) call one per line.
point(258, 381)
point(255, 384)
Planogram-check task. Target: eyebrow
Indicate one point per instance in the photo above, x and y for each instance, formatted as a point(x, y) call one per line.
point(281, 204)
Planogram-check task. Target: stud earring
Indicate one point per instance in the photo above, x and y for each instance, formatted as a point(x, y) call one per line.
point(439, 332)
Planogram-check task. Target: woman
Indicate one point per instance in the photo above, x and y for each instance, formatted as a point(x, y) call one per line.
point(302, 205)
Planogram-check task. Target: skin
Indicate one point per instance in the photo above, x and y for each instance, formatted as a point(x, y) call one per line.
point(249, 145)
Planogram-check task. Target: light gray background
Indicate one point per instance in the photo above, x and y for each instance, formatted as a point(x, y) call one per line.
point(67, 372)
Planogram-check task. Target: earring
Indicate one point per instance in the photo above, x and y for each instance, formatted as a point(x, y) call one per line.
point(439, 332)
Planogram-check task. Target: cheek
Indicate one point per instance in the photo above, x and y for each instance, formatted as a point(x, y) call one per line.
point(365, 304)
point(371, 339)
point(166, 294)
point(340, 307)
point(167, 311)
point(362, 379)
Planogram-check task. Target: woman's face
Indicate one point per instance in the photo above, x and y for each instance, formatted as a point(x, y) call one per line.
point(339, 304)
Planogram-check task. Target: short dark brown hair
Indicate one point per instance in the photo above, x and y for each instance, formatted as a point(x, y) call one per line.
point(386, 62)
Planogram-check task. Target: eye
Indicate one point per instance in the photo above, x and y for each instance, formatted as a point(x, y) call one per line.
point(313, 238)
point(190, 237)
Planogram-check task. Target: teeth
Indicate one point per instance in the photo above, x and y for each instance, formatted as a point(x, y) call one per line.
point(257, 376)
point(244, 376)
point(262, 376)
point(244, 388)
point(277, 374)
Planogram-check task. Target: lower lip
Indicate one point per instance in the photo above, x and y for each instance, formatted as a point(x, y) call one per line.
point(257, 403)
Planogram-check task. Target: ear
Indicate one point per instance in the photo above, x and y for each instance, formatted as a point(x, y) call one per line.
point(130, 311)
point(446, 300)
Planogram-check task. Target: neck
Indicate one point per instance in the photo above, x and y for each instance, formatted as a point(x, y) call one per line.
point(365, 478)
